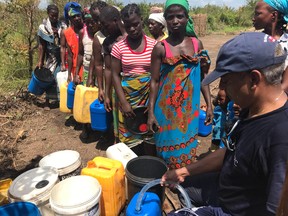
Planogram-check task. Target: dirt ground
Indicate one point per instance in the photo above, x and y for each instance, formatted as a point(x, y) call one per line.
point(28, 133)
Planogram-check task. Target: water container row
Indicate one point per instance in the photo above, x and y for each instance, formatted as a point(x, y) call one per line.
point(102, 188)
point(85, 105)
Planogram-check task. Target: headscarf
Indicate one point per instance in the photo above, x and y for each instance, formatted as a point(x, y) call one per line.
point(184, 3)
point(87, 13)
point(158, 17)
point(279, 5)
point(73, 9)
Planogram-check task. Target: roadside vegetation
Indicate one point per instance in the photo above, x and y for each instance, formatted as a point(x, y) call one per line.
point(20, 20)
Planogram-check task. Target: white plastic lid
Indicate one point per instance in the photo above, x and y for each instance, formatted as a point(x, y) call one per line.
point(34, 185)
point(75, 195)
point(64, 161)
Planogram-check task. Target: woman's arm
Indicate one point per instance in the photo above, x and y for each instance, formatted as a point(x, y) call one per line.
point(108, 82)
point(210, 163)
point(41, 52)
point(62, 50)
point(205, 89)
point(156, 57)
point(98, 65)
point(76, 79)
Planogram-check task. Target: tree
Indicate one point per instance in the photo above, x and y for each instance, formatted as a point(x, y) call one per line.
point(24, 19)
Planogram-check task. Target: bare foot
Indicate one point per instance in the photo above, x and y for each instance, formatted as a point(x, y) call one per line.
point(47, 105)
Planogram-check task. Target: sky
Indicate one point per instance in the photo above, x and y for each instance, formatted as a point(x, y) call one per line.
point(196, 3)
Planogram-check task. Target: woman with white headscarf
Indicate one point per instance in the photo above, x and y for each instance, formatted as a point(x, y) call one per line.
point(157, 26)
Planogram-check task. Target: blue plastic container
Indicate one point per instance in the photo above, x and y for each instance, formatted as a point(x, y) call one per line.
point(70, 95)
point(20, 209)
point(100, 119)
point(34, 88)
point(150, 206)
point(41, 80)
point(203, 130)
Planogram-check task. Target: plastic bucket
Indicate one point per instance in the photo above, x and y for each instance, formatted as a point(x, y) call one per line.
point(147, 203)
point(142, 170)
point(203, 130)
point(40, 81)
point(67, 162)
point(4, 186)
point(33, 86)
point(20, 209)
point(34, 186)
point(138, 124)
point(61, 77)
point(120, 152)
point(77, 196)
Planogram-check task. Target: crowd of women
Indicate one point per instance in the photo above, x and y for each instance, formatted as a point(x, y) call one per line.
point(106, 47)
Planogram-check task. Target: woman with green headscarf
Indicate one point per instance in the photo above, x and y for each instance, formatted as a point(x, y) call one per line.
point(177, 65)
point(272, 16)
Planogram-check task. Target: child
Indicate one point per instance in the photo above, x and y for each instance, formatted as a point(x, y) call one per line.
point(223, 112)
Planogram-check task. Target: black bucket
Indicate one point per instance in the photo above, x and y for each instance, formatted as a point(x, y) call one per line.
point(138, 124)
point(44, 75)
point(142, 170)
point(149, 146)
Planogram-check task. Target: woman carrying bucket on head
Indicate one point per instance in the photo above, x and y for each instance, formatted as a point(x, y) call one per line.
point(177, 65)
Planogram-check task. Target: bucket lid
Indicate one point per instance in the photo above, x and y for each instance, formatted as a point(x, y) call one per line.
point(34, 185)
point(75, 195)
point(64, 161)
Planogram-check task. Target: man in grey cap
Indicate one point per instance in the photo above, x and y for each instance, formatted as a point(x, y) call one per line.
point(246, 177)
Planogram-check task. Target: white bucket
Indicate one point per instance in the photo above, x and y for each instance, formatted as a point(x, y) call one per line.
point(77, 196)
point(67, 162)
point(61, 77)
point(120, 152)
point(35, 186)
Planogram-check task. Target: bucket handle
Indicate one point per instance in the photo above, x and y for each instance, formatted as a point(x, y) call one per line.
point(156, 182)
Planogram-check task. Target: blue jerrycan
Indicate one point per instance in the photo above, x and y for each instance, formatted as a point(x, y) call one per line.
point(203, 130)
point(148, 203)
point(100, 119)
point(70, 95)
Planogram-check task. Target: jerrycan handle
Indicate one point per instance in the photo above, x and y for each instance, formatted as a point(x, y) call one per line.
point(156, 182)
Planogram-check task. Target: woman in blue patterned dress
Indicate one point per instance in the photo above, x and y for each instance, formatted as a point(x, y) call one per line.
point(178, 64)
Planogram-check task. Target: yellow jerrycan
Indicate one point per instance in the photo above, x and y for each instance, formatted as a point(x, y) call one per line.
point(111, 176)
point(63, 98)
point(84, 97)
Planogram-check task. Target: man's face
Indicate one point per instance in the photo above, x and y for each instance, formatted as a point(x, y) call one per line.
point(237, 87)
point(262, 16)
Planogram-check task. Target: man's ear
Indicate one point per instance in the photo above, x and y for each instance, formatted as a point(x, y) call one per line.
point(255, 77)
